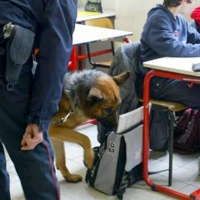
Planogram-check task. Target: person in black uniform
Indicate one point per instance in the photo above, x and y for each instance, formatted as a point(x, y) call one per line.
point(28, 100)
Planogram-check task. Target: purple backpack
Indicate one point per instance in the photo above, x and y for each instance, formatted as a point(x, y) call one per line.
point(187, 131)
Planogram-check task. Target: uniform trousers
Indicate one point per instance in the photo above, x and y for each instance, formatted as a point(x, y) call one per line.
point(35, 168)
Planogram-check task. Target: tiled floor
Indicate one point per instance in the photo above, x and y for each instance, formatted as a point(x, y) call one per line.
point(185, 176)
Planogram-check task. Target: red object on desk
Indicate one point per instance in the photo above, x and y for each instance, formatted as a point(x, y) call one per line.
point(146, 95)
point(195, 194)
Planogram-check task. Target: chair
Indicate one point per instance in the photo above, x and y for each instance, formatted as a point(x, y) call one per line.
point(102, 22)
point(105, 23)
point(172, 108)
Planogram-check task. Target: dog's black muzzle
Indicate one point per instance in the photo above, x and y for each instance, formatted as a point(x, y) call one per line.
point(110, 122)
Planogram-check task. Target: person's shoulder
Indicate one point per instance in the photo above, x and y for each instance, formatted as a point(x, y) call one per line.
point(181, 17)
point(156, 9)
point(159, 12)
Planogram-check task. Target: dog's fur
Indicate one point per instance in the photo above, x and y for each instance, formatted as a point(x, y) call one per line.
point(90, 94)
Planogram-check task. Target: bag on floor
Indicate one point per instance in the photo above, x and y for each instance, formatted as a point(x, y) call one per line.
point(159, 128)
point(187, 132)
point(118, 161)
point(93, 6)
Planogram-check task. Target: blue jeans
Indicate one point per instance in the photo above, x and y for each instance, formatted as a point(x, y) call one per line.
point(172, 90)
point(35, 167)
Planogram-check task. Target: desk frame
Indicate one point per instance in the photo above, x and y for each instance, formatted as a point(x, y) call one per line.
point(105, 35)
point(76, 55)
point(146, 95)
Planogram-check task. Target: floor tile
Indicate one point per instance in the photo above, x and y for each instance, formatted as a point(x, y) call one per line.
point(185, 177)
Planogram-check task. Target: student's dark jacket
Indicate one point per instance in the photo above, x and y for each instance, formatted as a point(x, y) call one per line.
point(164, 35)
point(53, 22)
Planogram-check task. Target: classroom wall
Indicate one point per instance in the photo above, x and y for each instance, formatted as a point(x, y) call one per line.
point(130, 14)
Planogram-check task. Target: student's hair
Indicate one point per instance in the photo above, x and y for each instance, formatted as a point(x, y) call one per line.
point(171, 3)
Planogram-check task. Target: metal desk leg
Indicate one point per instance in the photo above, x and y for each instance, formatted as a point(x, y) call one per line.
point(146, 95)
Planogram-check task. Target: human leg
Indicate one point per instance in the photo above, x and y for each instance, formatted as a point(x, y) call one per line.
point(35, 167)
point(178, 91)
point(175, 90)
point(36, 171)
point(4, 176)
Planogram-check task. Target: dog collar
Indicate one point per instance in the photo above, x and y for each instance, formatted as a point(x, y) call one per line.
point(64, 119)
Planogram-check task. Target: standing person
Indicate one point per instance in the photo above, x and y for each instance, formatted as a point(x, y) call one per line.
point(27, 100)
point(167, 33)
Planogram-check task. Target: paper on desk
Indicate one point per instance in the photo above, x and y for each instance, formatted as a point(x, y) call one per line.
point(130, 119)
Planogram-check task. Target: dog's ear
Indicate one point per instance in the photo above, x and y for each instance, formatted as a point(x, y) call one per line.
point(94, 95)
point(121, 78)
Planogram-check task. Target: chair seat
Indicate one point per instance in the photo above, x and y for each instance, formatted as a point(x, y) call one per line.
point(173, 106)
point(105, 63)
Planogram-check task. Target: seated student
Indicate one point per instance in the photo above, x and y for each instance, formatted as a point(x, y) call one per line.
point(195, 14)
point(167, 33)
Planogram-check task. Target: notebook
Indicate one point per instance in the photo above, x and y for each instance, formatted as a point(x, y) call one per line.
point(128, 120)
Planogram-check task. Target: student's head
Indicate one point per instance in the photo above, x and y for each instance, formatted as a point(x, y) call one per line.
point(175, 3)
point(171, 3)
point(179, 6)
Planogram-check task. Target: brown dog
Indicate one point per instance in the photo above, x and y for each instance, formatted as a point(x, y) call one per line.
point(87, 94)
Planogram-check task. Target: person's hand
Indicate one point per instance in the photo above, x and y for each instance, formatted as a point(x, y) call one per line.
point(32, 137)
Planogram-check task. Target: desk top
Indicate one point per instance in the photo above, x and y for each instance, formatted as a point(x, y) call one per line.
point(84, 34)
point(85, 16)
point(173, 64)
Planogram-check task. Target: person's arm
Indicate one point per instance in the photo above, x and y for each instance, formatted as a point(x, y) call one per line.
point(163, 40)
point(32, 137)
point(55, 44)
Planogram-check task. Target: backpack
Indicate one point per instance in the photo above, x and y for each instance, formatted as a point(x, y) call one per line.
point(118, 159)
point(93, 6)
point(186, 135)
point(159, 128)
point(126, 58)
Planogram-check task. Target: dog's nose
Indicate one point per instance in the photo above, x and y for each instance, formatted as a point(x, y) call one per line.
point(110, 123)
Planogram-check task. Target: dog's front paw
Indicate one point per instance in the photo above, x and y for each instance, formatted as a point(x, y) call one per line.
point(89, 159)
point(73, 178)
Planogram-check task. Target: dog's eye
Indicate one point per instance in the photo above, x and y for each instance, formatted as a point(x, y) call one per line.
point(108, 110)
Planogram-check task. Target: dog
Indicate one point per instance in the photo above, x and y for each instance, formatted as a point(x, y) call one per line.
point(87, 94)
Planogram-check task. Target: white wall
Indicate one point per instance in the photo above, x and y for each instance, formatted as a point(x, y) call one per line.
point(131, 15)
